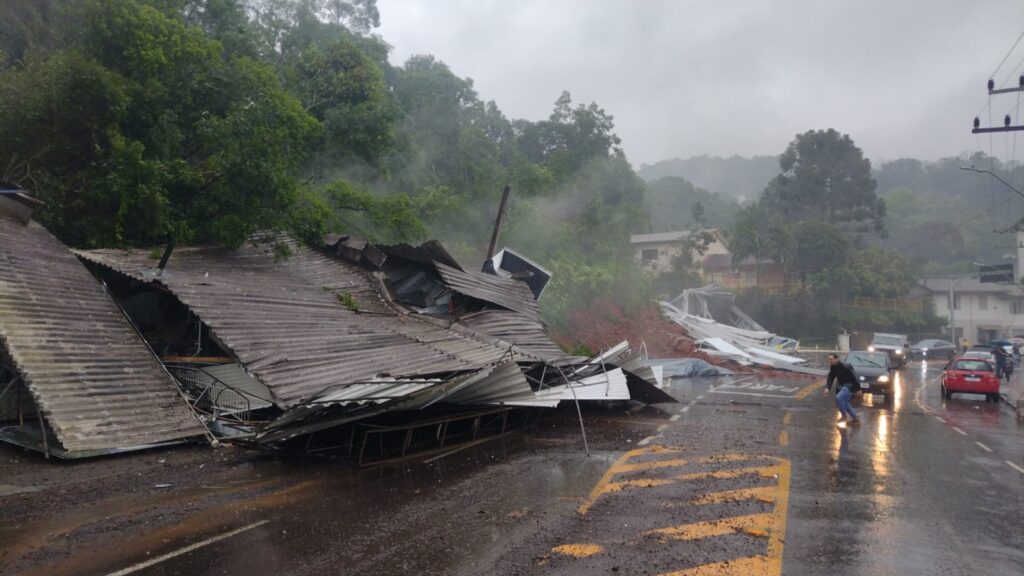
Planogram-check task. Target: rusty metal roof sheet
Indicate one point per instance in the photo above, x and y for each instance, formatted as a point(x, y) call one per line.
point(514, 328)
point(93, 377)
point(505, 292)
point(287, 320)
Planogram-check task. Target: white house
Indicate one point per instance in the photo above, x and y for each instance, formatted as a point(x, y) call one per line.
point(657, 250)
point(981, 312)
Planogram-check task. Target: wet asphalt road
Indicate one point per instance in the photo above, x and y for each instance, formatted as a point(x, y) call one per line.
point(743, 476)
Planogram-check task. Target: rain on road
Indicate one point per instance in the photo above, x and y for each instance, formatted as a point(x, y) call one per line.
point(743, 476)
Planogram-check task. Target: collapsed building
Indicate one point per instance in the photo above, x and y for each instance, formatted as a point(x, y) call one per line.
point(75, 378)
point(347, 345)
point(354, 339)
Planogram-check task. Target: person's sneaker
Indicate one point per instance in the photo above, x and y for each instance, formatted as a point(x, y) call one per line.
point(855, 421)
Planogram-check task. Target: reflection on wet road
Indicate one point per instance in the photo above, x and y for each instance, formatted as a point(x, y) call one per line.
point(743, 476)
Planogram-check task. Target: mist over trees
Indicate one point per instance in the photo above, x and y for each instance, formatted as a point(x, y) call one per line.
point(138, 121)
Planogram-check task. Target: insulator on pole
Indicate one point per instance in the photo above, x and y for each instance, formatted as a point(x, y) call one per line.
point(991, 84)
point(977, 122)
point(1006, 121)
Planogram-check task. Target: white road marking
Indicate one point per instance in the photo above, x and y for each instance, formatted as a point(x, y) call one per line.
point(959, 431)
point(186, 549)
point(699, 397)
point(1015, 467)
point(940, 419)
point(662, 427)
point(645, 441)
point(716, 391)
point(983, 447)
point(674, 418)
point(685, 410)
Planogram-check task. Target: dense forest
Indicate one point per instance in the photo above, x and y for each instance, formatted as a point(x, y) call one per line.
point(143, 121)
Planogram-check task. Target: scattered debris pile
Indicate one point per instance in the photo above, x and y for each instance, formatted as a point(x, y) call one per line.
point(735, 337)
point(354, 339)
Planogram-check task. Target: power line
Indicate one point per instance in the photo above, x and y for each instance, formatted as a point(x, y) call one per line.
point(1010, 51)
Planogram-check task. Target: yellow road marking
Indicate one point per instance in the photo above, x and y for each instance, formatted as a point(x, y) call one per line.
point(721, 527)
point(578, 550)
point(787, 417)
point(677, 462)
point(762, 471)
point(749, 566)
point(605, 485)
point(807, 391)
point(605, 479)
point(776, 541)
point(761, 492)
point(784, 438)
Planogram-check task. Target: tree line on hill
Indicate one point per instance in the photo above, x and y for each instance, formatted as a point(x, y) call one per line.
point(142, 121)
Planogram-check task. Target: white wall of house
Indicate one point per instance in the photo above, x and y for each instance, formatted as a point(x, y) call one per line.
point(658, 256)
point(981, 316)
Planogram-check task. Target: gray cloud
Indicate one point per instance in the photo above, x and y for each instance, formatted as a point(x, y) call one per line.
point(686, 78)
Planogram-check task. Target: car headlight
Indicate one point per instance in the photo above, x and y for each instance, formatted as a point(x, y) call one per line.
point(899, 352)
point(871, 348)
point(883, 379)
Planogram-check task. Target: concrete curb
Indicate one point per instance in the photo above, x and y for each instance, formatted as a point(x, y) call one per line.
point(1008, 402)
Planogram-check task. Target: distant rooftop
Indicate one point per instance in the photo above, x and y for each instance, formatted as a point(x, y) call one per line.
point(663, 237)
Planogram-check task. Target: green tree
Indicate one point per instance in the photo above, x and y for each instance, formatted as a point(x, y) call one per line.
point(144, 127)
point(824, 176)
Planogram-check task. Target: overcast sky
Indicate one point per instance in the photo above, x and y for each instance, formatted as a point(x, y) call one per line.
point(684, 78)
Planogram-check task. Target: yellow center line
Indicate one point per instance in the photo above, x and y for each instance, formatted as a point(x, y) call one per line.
point(784, 438)
point(787, 417)
point(748, 566)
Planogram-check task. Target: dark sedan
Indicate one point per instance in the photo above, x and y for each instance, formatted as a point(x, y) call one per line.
point(873, 371)
point(933, 349)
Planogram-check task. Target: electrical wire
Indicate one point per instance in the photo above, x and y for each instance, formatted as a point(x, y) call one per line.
point(958, 225)
point(1010, 51)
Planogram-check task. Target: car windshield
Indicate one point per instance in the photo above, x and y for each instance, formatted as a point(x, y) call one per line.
point(888, 341)
point(866, 359)
point(972, 366)
point(928, 344)
point(978, 354)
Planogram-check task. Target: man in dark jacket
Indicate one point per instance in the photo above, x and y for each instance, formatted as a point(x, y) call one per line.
point(846, 386)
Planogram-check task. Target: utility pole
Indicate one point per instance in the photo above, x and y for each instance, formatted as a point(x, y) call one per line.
point(1006, 127)
point(952, 320)
point(497, 223)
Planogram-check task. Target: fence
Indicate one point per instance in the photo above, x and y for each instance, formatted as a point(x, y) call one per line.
point(887, 304)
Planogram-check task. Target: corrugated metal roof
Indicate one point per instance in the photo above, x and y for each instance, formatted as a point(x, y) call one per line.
point(286, 321)
point(658, 237)
point(610, 385)
point(514, 328)
point(505, 292)
point(93, 377)
point(504, 384)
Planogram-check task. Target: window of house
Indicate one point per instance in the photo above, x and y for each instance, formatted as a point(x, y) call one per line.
point(982, 301)
point(956, 301)
point(1017, 307)
point(748, 278)
point(648, 254)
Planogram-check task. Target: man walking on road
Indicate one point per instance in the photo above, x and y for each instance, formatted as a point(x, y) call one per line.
point(846, 386)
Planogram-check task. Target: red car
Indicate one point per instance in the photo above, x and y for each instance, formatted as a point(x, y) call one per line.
point(971, 376)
